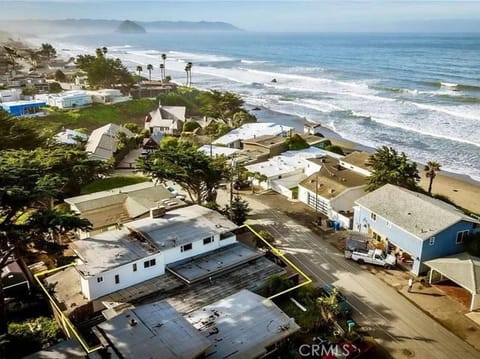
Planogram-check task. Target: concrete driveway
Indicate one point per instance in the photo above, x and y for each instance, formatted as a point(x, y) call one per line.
point(399, 326)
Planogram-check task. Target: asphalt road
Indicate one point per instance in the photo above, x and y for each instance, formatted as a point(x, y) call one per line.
point(398, 325)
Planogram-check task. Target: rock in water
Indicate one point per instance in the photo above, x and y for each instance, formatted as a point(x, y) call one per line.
point(129, 27)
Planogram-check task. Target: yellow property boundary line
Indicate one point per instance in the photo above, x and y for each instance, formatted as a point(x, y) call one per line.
point(64, 318)
point(278, 253)
point(89, 350)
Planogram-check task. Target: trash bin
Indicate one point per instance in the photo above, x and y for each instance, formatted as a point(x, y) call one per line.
point(336, 226)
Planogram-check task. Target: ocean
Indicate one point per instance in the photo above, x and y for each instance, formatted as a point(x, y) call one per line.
point(419, 93)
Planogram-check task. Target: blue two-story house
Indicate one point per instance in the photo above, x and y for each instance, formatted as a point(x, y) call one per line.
point(413, 223)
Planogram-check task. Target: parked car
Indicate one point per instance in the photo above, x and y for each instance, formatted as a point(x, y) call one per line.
point(175, 193)
point(345, 309)
point(372, 256)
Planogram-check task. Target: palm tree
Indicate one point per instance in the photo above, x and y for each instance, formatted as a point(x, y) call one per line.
point(431, 170)
point(186, 70)
point(104, 50)
point(139, 70)
point(164, 58)
point(162, 71)
point(149, 69)
point(189, 64)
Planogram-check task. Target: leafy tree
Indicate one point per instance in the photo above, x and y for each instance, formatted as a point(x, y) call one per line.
point(104, 72)
point(55, 87)
point(241, 117)
point(390, 167)
point(295, 142)
point(431, 170)
point(190, 126)
point(30, 182)
point(335, 149)
point(329, 306)
point(60, 76)
point(48, 51)
point(256, 176)
point(29, 91)
point(238, 211)
point(180, 162)
point(132, 127)
point(277, 283)
point(15, 134)
point(267, 236)
point(221, 105)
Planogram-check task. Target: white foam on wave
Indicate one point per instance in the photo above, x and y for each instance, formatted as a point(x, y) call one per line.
point(243, 61)
point(465, 111)
point(189, 56)
point(448, 84)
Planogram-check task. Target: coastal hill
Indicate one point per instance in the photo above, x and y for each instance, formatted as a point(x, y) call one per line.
point(129, 27)
point(94, 26)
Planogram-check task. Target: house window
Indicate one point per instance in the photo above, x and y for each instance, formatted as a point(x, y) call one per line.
point(373, 216)
point(134, 267)
point(99, 279)
point(461, 236)
point(431, 241)
point(117, 279)
point(149, 263)
point(186, 247)
point(207, 240)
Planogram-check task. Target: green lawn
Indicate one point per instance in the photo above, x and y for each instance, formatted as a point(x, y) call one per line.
point(112, 182)
point(96, 116)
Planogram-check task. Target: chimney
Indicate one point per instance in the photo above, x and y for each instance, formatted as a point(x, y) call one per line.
point(157, 212)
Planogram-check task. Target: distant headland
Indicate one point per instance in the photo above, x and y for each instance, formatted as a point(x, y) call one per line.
point(129, 27)
point(92, 26)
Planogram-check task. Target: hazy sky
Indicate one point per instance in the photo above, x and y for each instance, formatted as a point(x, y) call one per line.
point(273, 15)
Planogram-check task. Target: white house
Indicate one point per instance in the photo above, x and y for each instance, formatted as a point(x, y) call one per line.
point(286, 171)
point(140, 250)
point(333, 190)
point(102, 143)
point(234, 138)
point(108, 96)
point(70, 137)
point(67, 99)
point(10, 95)
point(167, 120)
point(357, 161)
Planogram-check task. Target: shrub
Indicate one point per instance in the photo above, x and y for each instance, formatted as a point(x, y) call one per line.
point(335, 149)
point(55, 88)
point(190, 126)
point(267, 236)
point(296, 143)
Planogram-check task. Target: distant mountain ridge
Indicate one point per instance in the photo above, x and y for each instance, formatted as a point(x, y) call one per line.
point(130, 27)
point(93, 25)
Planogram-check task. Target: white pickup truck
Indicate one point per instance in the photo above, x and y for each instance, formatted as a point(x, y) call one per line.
point(373, 256)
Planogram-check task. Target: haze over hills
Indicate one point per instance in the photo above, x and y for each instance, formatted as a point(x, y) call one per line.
point(85, 26)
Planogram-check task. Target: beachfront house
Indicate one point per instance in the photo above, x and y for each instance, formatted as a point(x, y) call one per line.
point(106, 210)
point(24, 108)
point(284, 172)
point(333, 190)
point(67, 99)
point(108, 96)
point(234, 138)
point(103, 141)
point(10, 95)
point(141, 250)
point(357, 161)
point(167, 120)
point(416, 227)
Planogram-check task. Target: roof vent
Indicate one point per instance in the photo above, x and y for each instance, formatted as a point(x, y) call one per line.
point(132, 322)
point(157, 212)
point(344, 179)
point(331, 190)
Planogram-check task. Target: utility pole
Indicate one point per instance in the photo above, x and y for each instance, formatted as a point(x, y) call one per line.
point(316, 195)
point(231, 180)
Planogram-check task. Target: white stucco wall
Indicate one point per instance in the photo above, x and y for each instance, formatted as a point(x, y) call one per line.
point(357, 169)
point(127, 277)
point(346, 200)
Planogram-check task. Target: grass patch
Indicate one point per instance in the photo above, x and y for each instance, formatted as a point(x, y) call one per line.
point(112, 182)
point(96, 116)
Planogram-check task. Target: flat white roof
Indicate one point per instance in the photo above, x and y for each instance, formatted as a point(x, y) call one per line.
point(69, 94)
point(114, 248)
point(251, 130)
point(22, 102)
point(242, 325)
point(218, 150)
point(285, 163)
point(154, 330)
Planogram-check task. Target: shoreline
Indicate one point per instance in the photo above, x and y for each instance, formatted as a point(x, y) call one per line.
point(462, 189)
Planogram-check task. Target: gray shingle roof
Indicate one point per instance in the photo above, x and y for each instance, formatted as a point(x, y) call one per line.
point(416, 213)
